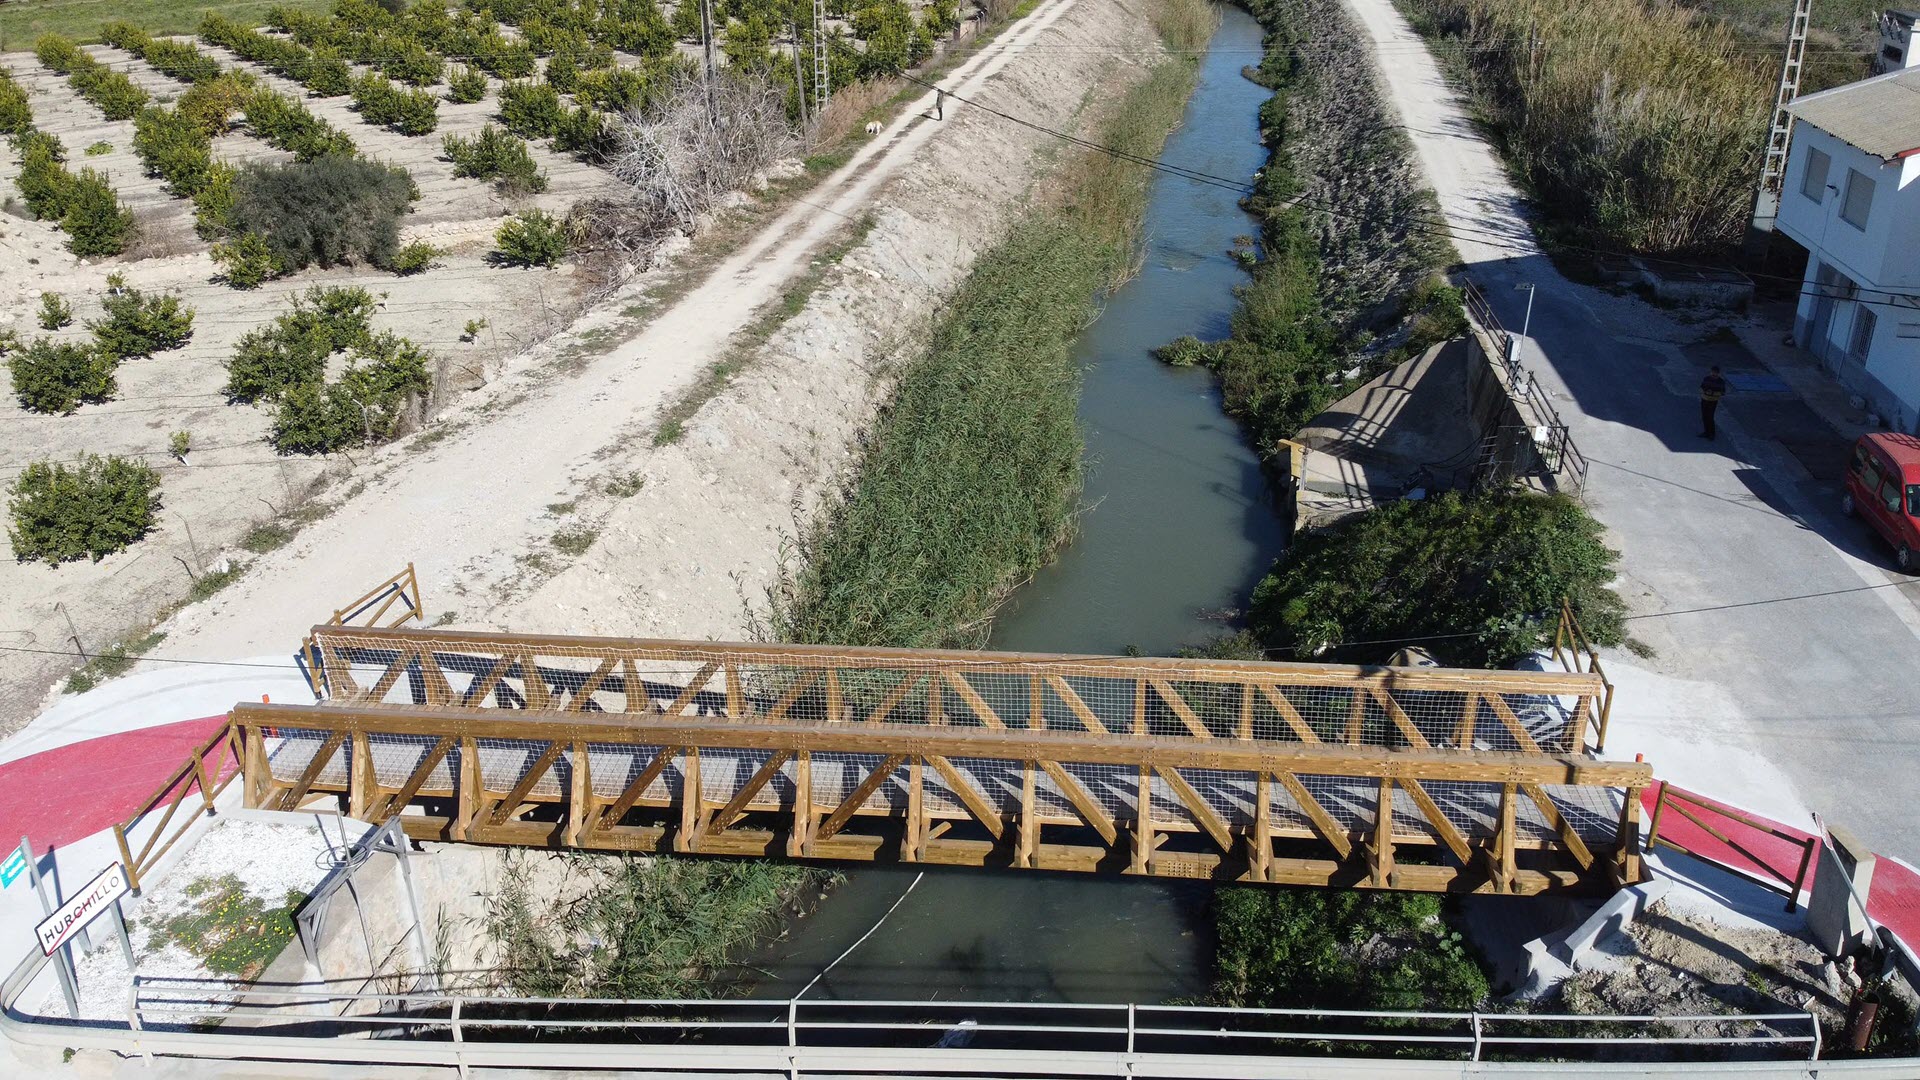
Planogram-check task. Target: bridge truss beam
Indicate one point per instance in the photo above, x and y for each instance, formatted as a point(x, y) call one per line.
point(668, 779)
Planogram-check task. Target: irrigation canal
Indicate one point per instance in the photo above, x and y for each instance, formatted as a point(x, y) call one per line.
point(1181, 526)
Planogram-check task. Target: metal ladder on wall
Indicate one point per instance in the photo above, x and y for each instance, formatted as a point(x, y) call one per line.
point(1773, 169)
point(820, 56)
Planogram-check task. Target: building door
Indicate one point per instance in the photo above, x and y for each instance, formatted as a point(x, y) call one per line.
point(1830, 288)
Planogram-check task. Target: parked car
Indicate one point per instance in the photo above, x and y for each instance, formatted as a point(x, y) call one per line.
point(1883, 486)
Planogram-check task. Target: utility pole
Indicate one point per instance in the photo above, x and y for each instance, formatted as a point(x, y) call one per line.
point(1773, 170)
point(799, 79)
point(820, 76)
point(706, 38)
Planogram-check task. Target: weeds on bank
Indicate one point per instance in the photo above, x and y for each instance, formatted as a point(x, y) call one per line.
point(228, 928)
point(971, 476)
point(115, 661)
point(646, 927)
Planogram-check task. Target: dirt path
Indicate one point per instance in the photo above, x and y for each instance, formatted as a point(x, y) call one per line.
point(467, 503)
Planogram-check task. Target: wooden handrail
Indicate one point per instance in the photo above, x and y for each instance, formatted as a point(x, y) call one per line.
point(1681, 799)
point(190, 775)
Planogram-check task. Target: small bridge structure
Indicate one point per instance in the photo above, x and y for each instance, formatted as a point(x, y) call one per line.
point(1420, 779)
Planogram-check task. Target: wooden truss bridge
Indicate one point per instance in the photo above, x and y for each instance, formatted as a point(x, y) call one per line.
point(1399, 778)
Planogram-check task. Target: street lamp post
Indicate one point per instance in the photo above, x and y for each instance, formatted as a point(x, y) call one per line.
point(1526, 324)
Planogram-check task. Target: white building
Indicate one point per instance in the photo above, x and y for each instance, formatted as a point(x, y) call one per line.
point(1851, 197)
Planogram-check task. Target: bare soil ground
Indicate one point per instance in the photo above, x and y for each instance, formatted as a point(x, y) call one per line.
point(1672, 962)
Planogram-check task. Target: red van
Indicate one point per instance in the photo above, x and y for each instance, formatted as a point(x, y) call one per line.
point(1883, 486)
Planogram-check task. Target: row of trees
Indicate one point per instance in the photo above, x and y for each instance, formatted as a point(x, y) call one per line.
point(84, 204)
point(111, 90)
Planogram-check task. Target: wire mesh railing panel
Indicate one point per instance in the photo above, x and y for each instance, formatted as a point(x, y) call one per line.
point(613, 767)
point(1395, 708)
point(504, 761)
point(290, 756)
point(395, 757)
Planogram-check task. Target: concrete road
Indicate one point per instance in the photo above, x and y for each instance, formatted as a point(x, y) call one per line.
point(1784, 644)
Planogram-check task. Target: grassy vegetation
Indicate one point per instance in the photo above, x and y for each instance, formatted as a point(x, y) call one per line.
point(659, 927)
point(1476, 580)
point(82, 20)
point(1841, 39)
point(231, 930)
point(972, 473)
point(1336, 297)
point(1638, 128)
point(115, 661)
point(1340, 949)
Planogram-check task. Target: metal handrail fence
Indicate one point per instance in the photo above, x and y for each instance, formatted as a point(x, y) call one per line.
point(1556, 448)
point(794, 1025)
point(192, 776)
point(1576, 652)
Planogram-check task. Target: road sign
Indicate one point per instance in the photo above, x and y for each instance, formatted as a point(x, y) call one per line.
point(15, 866)
point(82, 908)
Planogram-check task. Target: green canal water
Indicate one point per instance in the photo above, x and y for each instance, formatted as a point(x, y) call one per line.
point(1180, 527)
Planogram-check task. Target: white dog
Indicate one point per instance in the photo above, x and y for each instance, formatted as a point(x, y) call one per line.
point(873, 127)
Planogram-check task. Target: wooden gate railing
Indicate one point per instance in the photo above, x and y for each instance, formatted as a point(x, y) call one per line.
point(207, 773)
point(1784, 872)
point(1577, 653)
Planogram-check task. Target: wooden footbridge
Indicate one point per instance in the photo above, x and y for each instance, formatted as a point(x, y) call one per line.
point(1398, 778)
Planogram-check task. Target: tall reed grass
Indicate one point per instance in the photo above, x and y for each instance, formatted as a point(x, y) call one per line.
point(972, 475)
point(1638, 125)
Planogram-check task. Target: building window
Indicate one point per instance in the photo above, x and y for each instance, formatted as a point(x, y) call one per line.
point(1813, 182)
point(1864, 322)
point(1908, 330)
point(1857, 200)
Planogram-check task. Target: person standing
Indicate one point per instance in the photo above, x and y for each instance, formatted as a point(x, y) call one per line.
point(1712, 389)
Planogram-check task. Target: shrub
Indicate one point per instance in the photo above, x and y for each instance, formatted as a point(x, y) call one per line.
point(96, 221)
point(99, 149)
point(415, 257)
point(410, 62)
point(58, 377)
point(16, 112)
point(315, 419)
point(1340, 949)
point(246, 261)
point(639, 29)
point(501, 58)
point(179, 444)
point(563, 72)
point(44, 183)
point(88, 510)
point(534, 238)
point(55, 312)
point(328, 211)
point(293, 351)
point(1184, 351)
point(386, 374)
point(419, 113)
point(213, 203)
point(529, 109)
point(1478, 579)
point(585, 131)
point(212, 105)
point(287, 124)
point(328, 75)
point(495, 155)
point(616, 90)
point(140, 325)
point(466, 85)
point(181, 60)
point(173, 148)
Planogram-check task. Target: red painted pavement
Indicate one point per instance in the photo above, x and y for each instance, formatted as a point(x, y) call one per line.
point(61, 795)
point(1893, 899)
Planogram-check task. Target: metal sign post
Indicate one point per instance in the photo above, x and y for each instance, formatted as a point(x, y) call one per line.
point(64, 962)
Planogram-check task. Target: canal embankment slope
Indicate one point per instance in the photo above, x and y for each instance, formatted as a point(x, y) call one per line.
point(723, 509)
